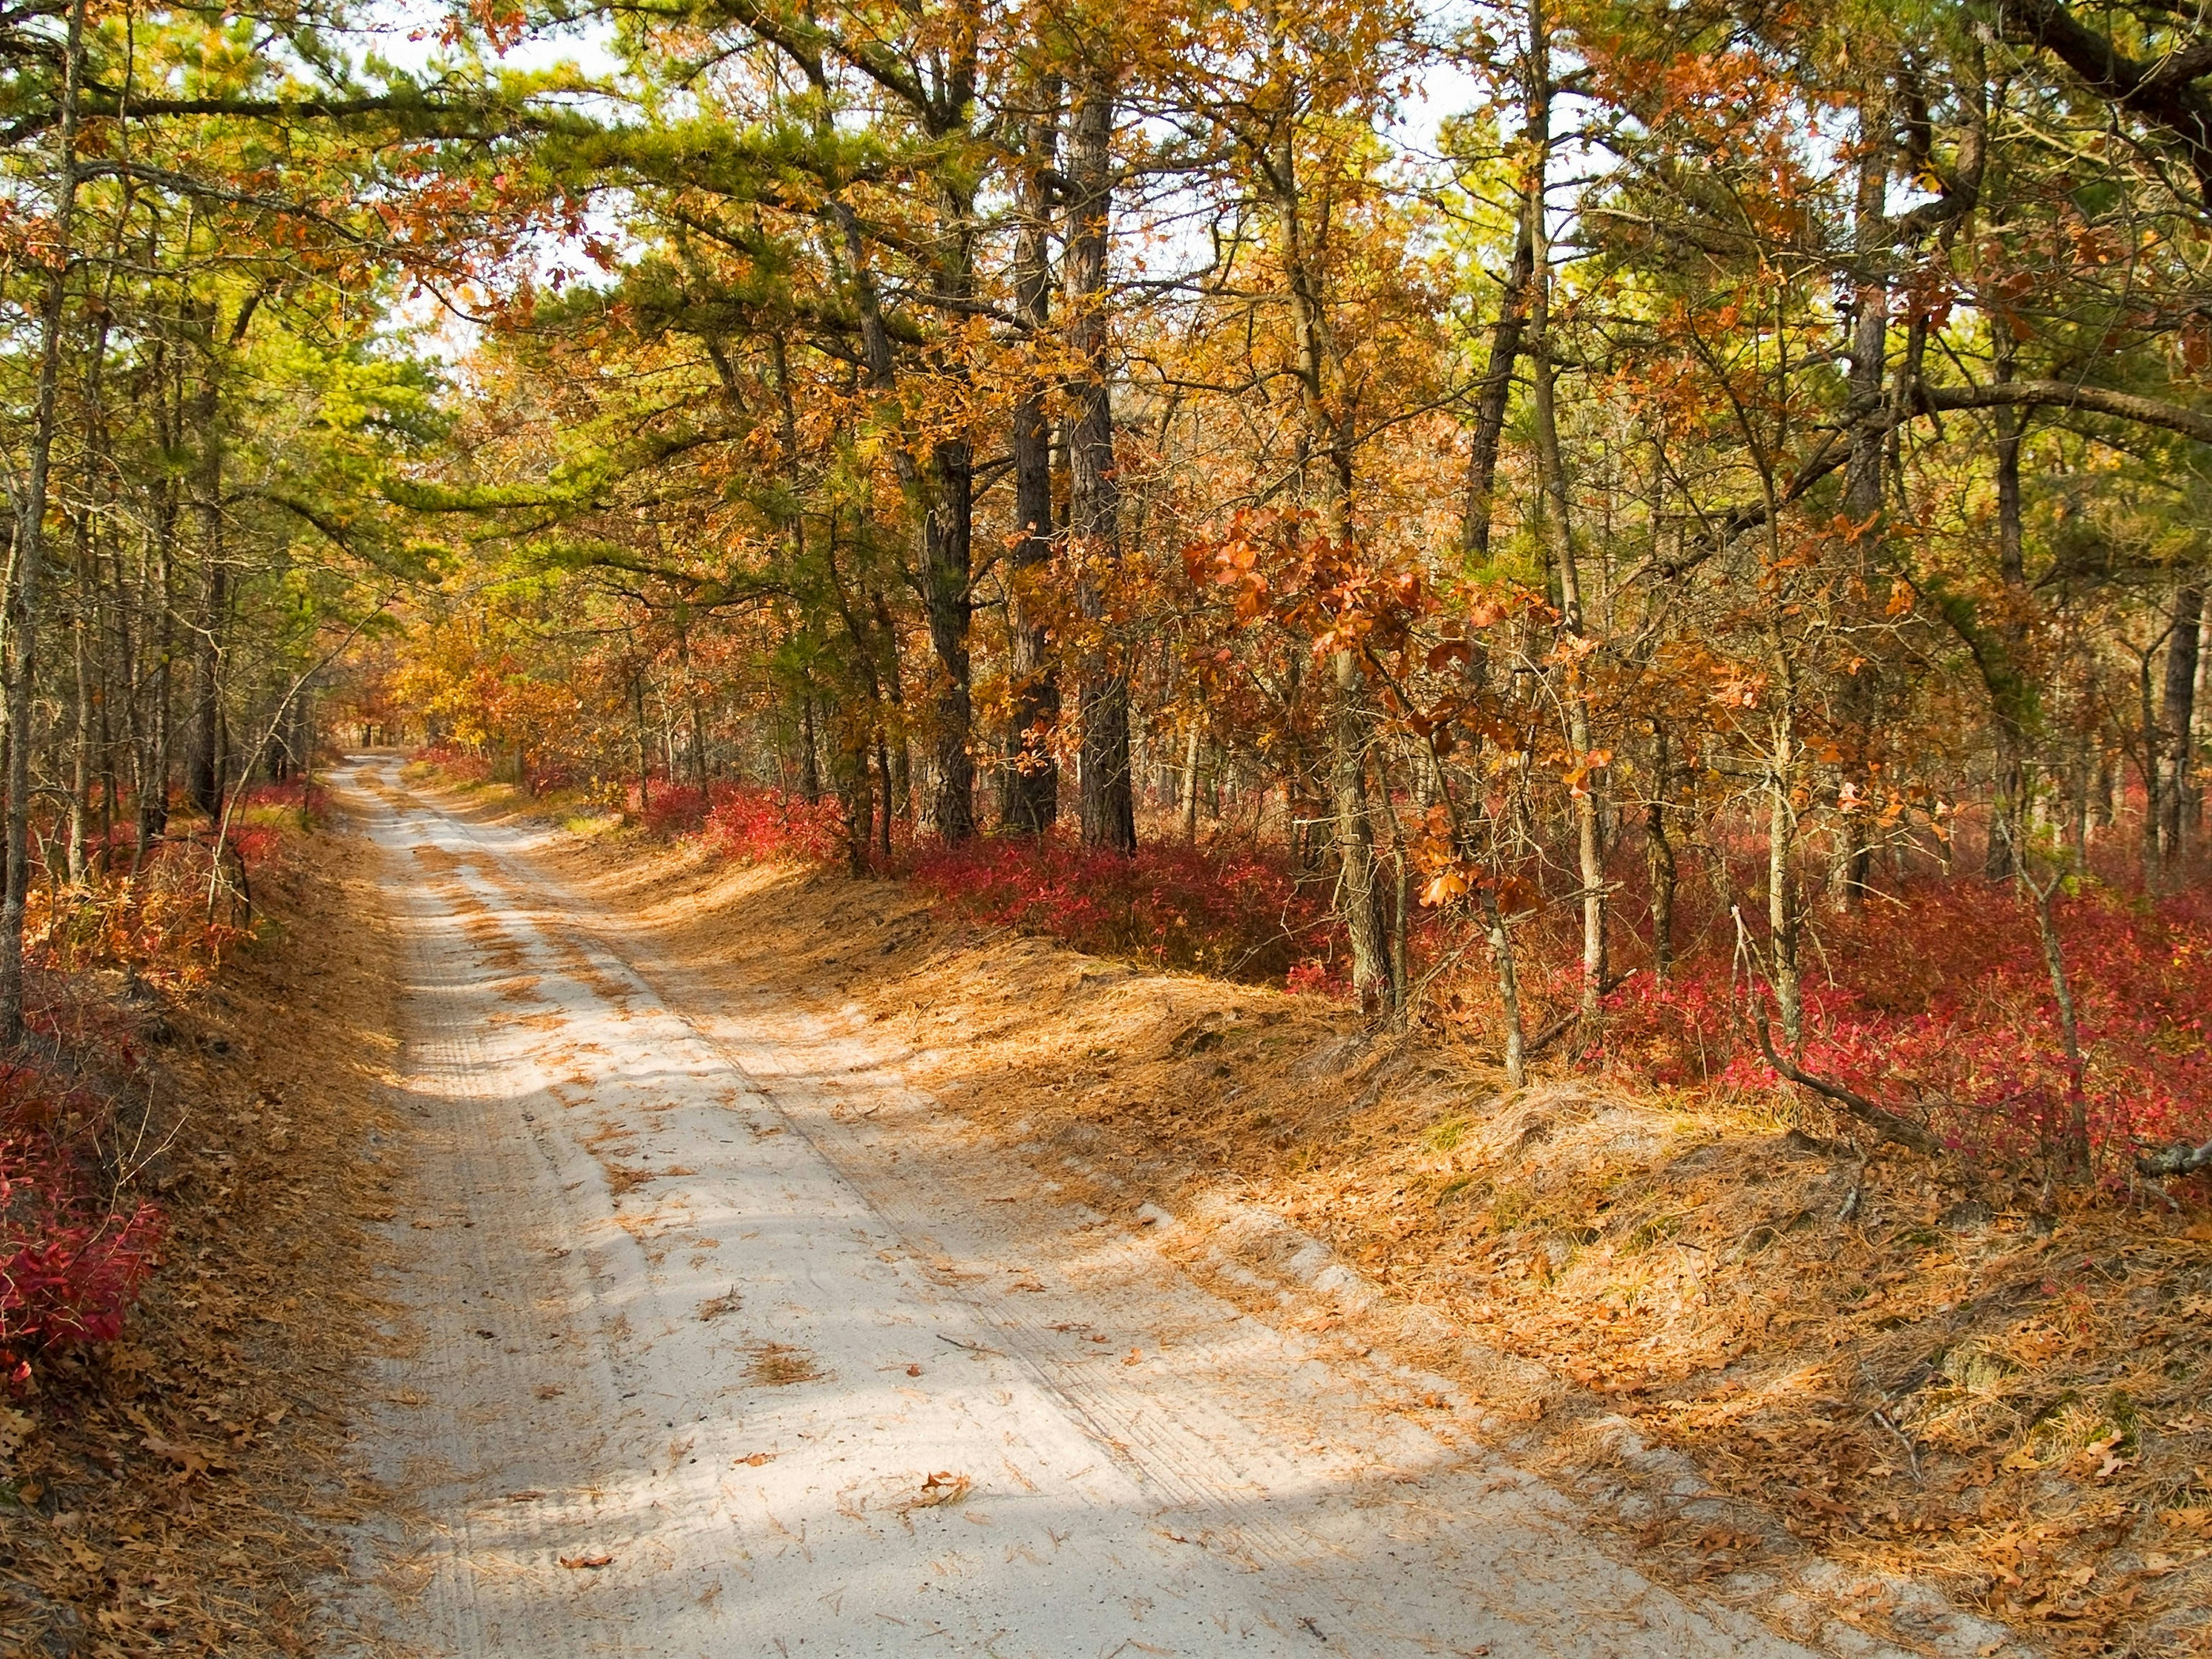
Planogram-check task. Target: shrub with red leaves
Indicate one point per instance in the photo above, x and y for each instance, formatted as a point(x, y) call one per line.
point(462, 765)
point(1236, 915)
point(300, 796)
point(1943, 1002)
point(672, 809)
point(72, 1262)
point(755, 825)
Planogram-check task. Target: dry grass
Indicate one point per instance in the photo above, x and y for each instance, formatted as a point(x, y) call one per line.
point(181, 1490)
point(780, 1366)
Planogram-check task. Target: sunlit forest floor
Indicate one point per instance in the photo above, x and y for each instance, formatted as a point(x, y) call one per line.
point(1915, 1369)
point(173, 1491)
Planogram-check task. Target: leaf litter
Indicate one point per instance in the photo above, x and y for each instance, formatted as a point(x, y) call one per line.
point(183, 1489)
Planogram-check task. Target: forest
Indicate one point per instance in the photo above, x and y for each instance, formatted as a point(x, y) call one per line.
point(1629, 518)
point(1658, 538)
point(1558, 647)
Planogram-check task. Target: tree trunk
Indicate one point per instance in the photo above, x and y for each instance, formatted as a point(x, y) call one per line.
point(1509, 988)
point(80, 735)
point(1560, 528)
point(202, 779)
point(1109, 803)
point(2077, 1144)
point(1869, 337)
point(1360, 898)
point(1031, 797)
point(1659, 860)
point(154, 791)
point(1190, 758)
point(644, 747)
point(695, 719)
point(809, 763)
point(30, 550)
point(849, 766)
point(947, 522)
point(2152, 758)
point(883, 818)
point(1496, 394)
point(1780, 892)
point(2007, 822)
point(2180, 721)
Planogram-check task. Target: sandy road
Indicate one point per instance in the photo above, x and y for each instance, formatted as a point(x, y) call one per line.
point(727, 1342)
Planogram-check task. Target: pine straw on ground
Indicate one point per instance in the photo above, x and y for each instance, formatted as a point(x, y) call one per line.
point(1912, 1370)
point(179, 1491)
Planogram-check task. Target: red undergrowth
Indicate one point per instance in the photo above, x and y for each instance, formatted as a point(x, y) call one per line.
point(73, 1254)
point(1235, 914)
point(1933, 997)
point(75, 1246)
point(1941, 1001)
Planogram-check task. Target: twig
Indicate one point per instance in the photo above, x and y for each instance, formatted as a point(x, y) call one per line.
point(1899, 1128)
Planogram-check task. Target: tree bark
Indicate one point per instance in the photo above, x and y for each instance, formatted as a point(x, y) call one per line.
point(1496, 396)
point(1108, 803)
point(1781, 890)
point(2007, 810)
point(1659, 859)
point(1360, 897)
point(1031, 797)
point(2180, 712)
point(1509, 988)
point(1558, 525)
point(810, 762)
point(947, 521)
point(30, 548)
point(1190, 758)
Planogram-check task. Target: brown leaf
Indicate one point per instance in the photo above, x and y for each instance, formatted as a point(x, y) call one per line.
point(591, 1563)
point(939, 1489)
point(189, 1458)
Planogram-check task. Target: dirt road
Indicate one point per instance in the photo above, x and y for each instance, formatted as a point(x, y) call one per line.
point(725, 1341)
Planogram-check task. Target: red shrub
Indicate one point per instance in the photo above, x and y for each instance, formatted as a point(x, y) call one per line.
point(295, 794)
point(755, 825)
point(72, 1262)
point(463, 765)
point(671, 809)
point(1236, 915)
point(1944, 1001)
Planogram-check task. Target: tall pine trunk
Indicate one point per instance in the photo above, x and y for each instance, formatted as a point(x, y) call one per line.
point(2180, 723)
point(1558, 524)
point(30, 546)
point(1108, 803)
point(1030, 800)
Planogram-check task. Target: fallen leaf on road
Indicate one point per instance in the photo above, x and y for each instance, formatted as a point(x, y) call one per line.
point(942, 1488)
point(720, 1306)
point(591, 1562)
point(756, 1459)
